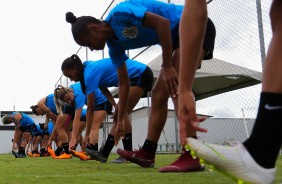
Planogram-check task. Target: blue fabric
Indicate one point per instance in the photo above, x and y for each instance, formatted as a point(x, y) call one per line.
point(79, 97)
point(37, 131)
point(102, 74)
point(25, 121)
point(126, 21)
point(51, 104)
point(99, 97)
point(83, 113)
point(50, 127)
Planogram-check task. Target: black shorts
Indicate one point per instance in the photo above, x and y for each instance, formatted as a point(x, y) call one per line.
point(106, 106)
point(45, 132)
point(29, 128)
point(70, 110)
point(209, 40)
point(144, 81)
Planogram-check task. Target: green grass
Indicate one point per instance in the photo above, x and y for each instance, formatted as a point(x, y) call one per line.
point(48, 170)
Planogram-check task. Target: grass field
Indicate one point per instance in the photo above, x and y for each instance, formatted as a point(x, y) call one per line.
point(48, 170)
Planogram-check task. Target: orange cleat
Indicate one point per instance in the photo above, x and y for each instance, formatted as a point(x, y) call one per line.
point(80, 155)
point(51, 152)
point(36, 155)
point(29, 154)
point(64, 156)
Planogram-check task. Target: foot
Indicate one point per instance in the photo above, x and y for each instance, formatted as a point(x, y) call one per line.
point(234, 161)
point(140, 157)
point(29, 154)
point(14, 153)
point(64, 156)
point(184, 163)
point(119, 160)
point(97, 155)
point(51, 152)
point(36, 155)
point(20, 155)
point(80, 155)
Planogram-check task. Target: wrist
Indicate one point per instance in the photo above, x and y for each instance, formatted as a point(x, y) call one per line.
point(166, 65)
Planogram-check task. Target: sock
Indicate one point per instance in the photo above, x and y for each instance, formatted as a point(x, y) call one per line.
point(75, 146)
point(42, 150)
point(265, 141)
point(127, 142)
point(21, 150)
point(106, 150)
point(66, 147)
point(58, 151)
point(150, 146)
point(96, 147)
point(92, 147)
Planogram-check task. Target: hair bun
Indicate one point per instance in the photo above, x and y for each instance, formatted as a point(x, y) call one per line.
point(70, 18)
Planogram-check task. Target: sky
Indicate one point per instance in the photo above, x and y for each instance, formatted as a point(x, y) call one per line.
point(35, 39)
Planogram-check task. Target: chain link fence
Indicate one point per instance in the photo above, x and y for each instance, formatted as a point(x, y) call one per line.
point(243, 34)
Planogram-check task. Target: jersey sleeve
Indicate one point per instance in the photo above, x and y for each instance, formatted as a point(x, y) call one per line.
point(117, 54)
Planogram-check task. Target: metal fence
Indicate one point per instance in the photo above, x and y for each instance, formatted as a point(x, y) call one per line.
point(243, 34)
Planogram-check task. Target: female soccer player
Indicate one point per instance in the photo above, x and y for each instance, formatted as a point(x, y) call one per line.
point(24, 126)
point(135, 24)
point(73, 96)
point(101, 74)
point(46, 106)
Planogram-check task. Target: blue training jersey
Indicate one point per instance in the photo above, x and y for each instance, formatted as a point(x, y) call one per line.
point(51, 104)
point(126, 20)
point(79, 96)
point(50, 127)
point(25, 121)
point(81, 99)
point(99, 97)
point(37, 131)
point(83, 113)
point(102, 74)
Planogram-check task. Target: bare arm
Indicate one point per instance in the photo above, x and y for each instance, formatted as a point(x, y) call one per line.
point(41, 104)
point(192, 28)
point(108, 95)
point(49, 115)
point(75, 127)
point(162, 27)
point(18, 133)
point(90, 112)
point(123, 91)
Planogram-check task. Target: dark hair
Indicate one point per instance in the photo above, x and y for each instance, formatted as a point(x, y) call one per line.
point(75, 61)
point(79, 24)
point(33, 108)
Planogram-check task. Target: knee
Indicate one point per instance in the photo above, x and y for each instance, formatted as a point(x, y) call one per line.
point(159, 96)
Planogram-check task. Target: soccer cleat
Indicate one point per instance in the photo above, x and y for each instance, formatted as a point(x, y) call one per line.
point(14, 153)
point(80, 155)
point(51, 152)
point(119, 160)
point(29, 154)
point(97, 155)
point(233, 161)
point(184, 163)
point(20, 155)
point(46, 154)
point(36, 155)
point(139, 157)
point(64, 156)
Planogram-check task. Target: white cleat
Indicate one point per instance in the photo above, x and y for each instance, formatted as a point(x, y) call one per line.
point(234, 161)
